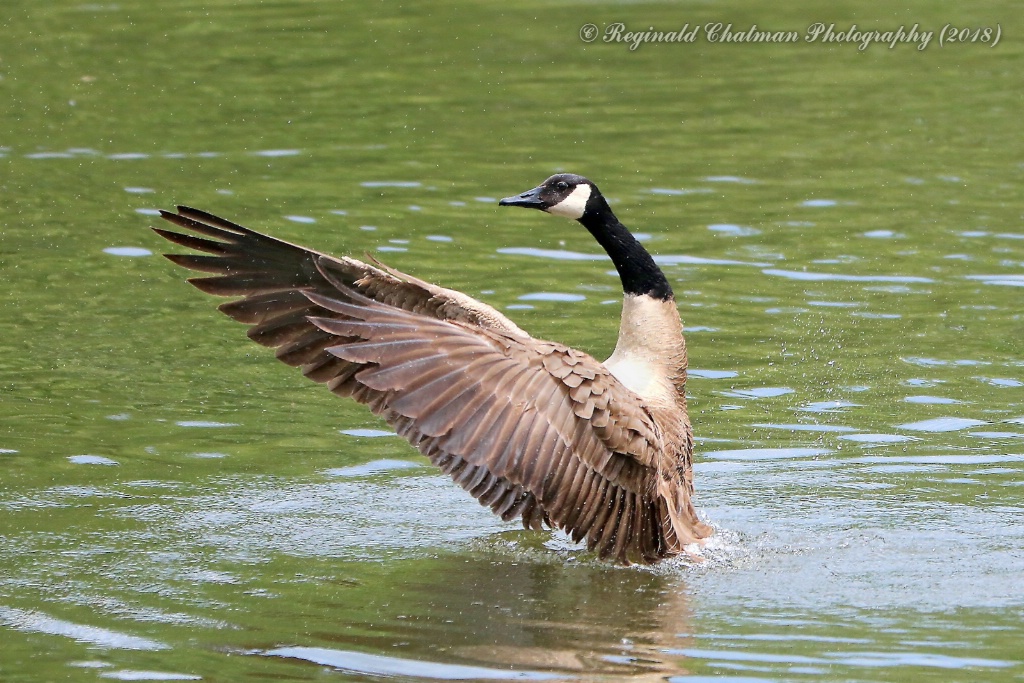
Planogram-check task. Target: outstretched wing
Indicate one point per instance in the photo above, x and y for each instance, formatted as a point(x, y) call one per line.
point(532, 429)
point(263, 269)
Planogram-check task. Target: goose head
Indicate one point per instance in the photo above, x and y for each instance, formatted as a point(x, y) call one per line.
point(573, 196)
point(565, 194)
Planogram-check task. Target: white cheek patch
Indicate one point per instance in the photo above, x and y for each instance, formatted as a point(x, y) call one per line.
point(573, 206)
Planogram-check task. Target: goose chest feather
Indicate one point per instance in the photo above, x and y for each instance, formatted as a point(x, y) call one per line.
point(532, 429)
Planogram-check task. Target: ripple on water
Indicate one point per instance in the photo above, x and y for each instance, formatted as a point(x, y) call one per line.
point(552, 296)
point(808, 276)
point(558, 254)
point(373, 467)
point(31, 621)
point(90, 460)
point(751, 454)
point(877, 316)
point(805, 427)
point(672, 192)
point(277, 152)
point(733, 230)
point(834, 304)
point(730, 179)
point(828, 406)
point(141, 675)
point(49, 155)
point(300, 219)
point(930, 400)
point(367, 433)
point(878, 438)
point(711, 374)
point(127, 251)
point(935, 362)
point(760, 392)
point(391, 183)
point(827, 660)
point(958, 459)
point(205, 424)
point(685, 259)
point(381, 665)
point(1004, 280)
point(790, 310)
point(1001, 382)
point(942, 424)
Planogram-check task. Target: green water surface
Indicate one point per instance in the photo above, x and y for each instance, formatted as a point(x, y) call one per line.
point(844, 230)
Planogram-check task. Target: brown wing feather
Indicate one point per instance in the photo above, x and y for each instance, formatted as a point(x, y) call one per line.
point(532, 429)
point(250, 264)
point(498, 420)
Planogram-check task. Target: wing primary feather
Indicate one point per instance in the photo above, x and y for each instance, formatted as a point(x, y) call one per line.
point(192, 242)
point(585, 502)
point(203, 227)
point(329, 369)
point(257, 308)
point(608, 521)
point(596, 500)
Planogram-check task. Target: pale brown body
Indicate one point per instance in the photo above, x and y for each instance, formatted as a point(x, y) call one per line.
point(532, 429)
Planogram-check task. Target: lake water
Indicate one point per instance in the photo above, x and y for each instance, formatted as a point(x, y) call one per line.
point(843, 229)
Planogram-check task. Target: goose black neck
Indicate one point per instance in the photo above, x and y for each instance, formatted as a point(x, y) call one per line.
point(637, 269)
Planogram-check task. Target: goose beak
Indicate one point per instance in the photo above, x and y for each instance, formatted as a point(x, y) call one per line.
point(529, 199)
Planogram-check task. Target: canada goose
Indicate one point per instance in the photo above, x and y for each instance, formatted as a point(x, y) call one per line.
point(531, 428)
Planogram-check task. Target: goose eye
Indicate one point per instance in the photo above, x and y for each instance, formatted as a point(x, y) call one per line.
point(562, 185)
